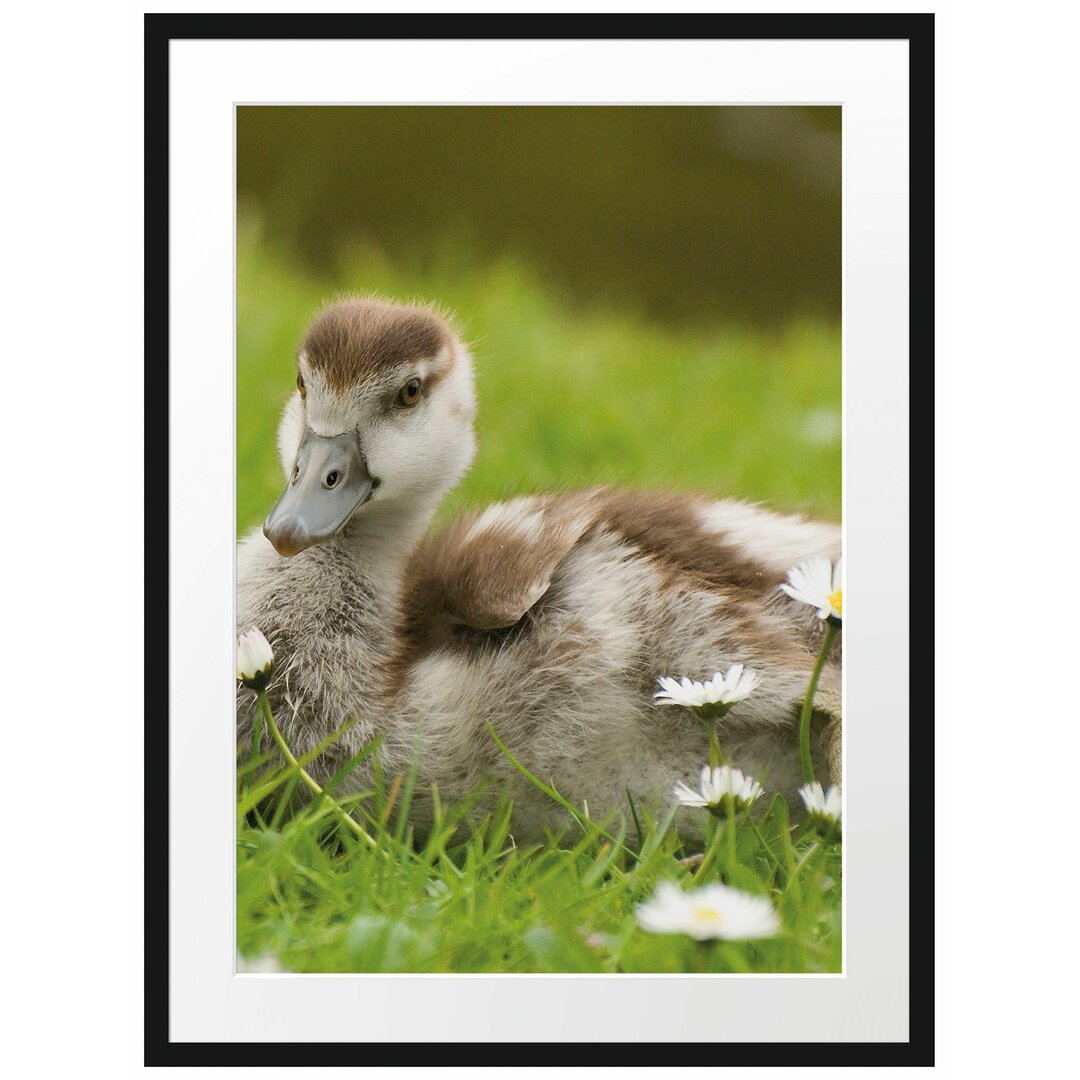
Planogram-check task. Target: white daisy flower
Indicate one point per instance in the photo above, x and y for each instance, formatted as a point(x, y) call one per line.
point(717, 785)
point(713, 911)
point(254, 659)
point(716, 694)
point(266, 964)
point(819, 583)
point(819, 803)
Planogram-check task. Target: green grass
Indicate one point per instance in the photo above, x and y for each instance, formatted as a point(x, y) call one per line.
point(466, 898)
point(568, 397)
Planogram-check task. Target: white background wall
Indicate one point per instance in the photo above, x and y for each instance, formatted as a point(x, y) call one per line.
point(71, 631)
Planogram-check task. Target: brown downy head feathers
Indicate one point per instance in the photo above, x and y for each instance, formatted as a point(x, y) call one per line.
point(354, 339)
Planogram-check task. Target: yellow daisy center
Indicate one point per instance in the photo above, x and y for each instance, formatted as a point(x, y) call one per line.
point(836, 601)
point(707, 915)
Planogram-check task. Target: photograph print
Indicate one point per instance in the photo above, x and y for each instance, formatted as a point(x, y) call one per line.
point(539, 570)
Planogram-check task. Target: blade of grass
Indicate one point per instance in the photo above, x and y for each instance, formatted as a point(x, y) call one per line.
point(407, 795)
point(633, 814)
point(283, 802)
point(339, 776)
point(548, 790)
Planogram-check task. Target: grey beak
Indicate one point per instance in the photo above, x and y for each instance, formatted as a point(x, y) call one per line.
point(329, 481)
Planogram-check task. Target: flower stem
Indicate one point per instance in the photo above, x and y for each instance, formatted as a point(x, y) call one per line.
point(283, 746)
point(831, 630)
point(729, 828)
point(711, 847)
point(714, 743)
point(256, 729)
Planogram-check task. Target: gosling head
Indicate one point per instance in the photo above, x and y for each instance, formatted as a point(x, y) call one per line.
point(382, 416)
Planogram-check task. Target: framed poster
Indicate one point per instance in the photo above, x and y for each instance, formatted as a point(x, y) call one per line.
point(624, 278)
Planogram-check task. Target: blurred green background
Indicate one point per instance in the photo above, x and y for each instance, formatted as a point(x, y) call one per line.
point(652, 294)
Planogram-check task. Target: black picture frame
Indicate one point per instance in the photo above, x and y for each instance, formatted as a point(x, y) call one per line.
point(159, 31)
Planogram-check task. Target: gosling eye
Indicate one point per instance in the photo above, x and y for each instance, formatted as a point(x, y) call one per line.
point(409, 394)
point(300, 385)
